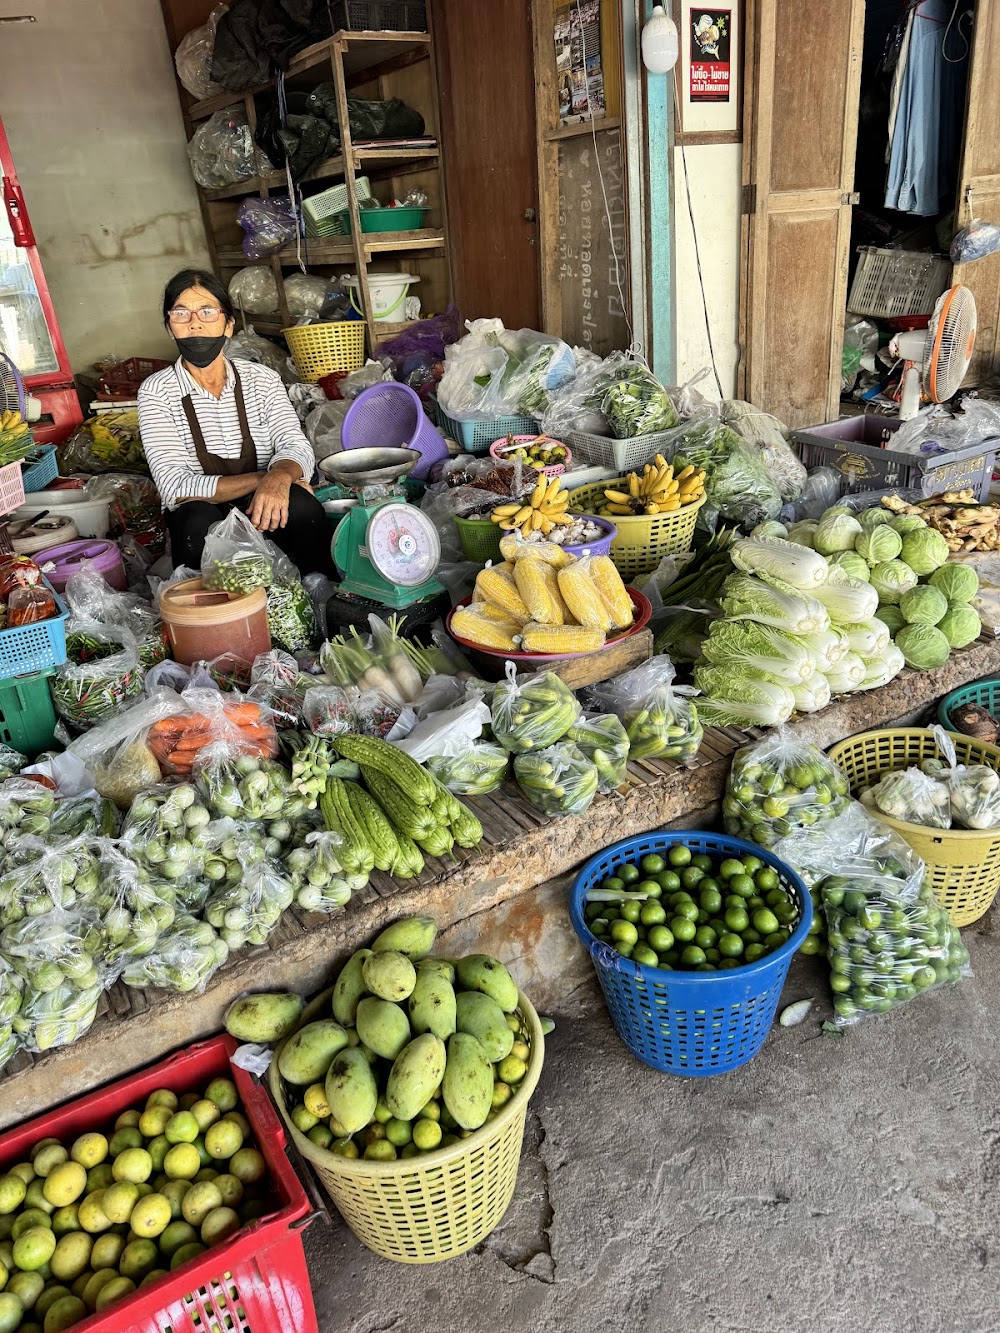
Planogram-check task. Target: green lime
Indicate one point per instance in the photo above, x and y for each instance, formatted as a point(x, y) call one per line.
point(753, 952)
point(766, 879)
point(692, 955)
point(623, 932)
point(683, 929)
point(625, 950)
point(643, 954)
point(751, 936)
point(660, 938)
point(691, 876)
point(613, 883)
point(765, 921)
point(669, 881)
point(713, 956)
point(650, 888)
point(630, 910)
point(689, 911)
point(751, 864)
point(737, 919)
point(743, 886)
point(710, 900)
point(730, 945)
point(679, 855)
point(705, 937)
point(652, 864)
point(653, 914)
point(628, 874)
point(730, 867)
point(703, 861)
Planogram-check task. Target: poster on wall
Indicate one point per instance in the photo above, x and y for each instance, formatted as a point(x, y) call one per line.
point(710, 34)
point(579, 73)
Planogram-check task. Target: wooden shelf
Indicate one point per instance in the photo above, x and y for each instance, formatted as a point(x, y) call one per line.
point(585, 127)
point(341, 250)
point(383, 159)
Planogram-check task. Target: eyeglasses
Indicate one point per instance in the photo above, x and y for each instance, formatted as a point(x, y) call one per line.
point(206, 315)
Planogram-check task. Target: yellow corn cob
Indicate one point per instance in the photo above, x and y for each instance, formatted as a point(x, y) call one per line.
point(497, 585)
point(611, 590)
point(560, 639)
point(538, 585)
point(582, 598)
point(467, 623)
point(496, 615)
point(514, 547)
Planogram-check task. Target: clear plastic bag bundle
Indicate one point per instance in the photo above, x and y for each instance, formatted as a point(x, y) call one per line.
point(11, 761)
point(290, 615)
point(41, 878)
point(975, 241)
point(162, 835)
point(277, 683)
point(536, 366)
point(973, 789)
point(86, 814)
point(470, 367)
point(558, 780)
point(780, 784)
point(244, 787)
point(184, 959)
point(11, 996)
point(888, 938)
point(320, 882)
point(221, 151)
point(816, 850)
point(570, 407)
point(236, 558)
point(101, 675)
point(912, 796)
point(134, 906)
point(738, 485)
point(115, 752)
point(449, 743)
point(765, 433)
point(605, 743)
point(26, 810)
point(247, 905)
point(533, 714)
point(254, 290)
point(328, 710)
point(58, 955)
point(479, 768)
point(632, 400)
point(193, 57)
point(937, 430)
point(268, 225)
point(661, 723)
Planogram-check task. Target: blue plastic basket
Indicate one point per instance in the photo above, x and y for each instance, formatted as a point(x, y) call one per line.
point(31, 648)
point(475, 437)
point(38, 476)
point(690, 1023)
point(985, 693)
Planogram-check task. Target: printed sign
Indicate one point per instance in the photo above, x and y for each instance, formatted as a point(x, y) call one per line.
point(710, 64)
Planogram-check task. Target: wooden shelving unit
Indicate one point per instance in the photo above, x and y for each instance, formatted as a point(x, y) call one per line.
point(372, 65)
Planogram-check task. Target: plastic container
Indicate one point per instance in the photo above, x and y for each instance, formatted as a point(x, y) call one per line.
point(31, 648)
point(60, 563)
point(480, 538)
point(202, 625)
point(380, 15)
point(255, 1282)
point(387, 291)
point(422, 1209)
point(318, 349)
point(386, 219)
point(502, 447)
point(11, 488)
point(53, 530)
point(122, 382)
point(92, 517)
point(691, 1023)
point(889, 284)
point(391, 416)
point(622, 455)
point(38, 475)
point(27, 713)
point(602, 545)
point(851, 446)
point(963, 865)
point(323, 212)
point(641, 540)
point(476, 436)
point(985, 693)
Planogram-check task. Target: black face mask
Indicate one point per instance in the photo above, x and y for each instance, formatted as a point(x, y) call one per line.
point(199, 351)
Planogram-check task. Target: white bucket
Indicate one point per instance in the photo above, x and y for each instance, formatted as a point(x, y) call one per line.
point(388, 293)
point(92, 517)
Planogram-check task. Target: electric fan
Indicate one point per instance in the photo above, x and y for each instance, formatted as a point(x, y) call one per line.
point(11, 386)
point(937, 357)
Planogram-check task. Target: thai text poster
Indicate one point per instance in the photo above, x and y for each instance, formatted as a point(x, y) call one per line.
point(710, 55)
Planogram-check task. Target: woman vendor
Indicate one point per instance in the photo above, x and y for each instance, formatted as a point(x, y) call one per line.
point(217, 437)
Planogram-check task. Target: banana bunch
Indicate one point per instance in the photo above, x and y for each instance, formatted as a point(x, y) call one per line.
point(545, 509)
point(656, 490)
point(12, 423)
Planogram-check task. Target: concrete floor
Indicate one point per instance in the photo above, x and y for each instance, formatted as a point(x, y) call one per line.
point(833, 1185)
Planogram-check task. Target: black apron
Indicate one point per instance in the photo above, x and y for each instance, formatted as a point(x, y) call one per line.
point(211, 464)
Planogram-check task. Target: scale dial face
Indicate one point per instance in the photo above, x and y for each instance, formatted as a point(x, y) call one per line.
point(403, 545)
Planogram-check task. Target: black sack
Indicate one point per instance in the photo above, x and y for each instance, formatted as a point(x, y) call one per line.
point(253, 35)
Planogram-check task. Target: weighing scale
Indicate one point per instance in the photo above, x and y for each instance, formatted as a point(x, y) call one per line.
point(385, 549)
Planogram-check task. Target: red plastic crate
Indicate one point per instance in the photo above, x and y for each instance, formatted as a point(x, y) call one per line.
point(255, 1282)
point(123, 381)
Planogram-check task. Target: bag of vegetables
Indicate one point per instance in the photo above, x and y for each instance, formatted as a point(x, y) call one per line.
point(449, 743)
point(41, 877)
point(134, 906)
point(11, 996)
point(236, 558)
point(533, 714)
point(973, 789)
point(912, 796)
point(90, 598)
point(59, 957)
point(660, 722)
point(101, 673)
point(559, 780)
point(248, 903)
point(319, 879)
point(161, 835)
point(115, 752)
point(780, 784)
point(631, 399)
point(277, 683)
point(11, 761)
point(184, 959)
point(604, 741)
point(242, 786)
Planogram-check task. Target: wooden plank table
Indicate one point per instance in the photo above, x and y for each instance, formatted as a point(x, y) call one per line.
point(521, 850)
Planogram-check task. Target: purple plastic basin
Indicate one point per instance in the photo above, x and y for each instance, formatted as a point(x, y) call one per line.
point(67, 559)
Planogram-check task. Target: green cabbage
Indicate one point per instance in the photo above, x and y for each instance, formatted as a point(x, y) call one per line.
point(923, 646)
point(879, 545)
point(924, 551)
point(905, 523)
point(891, 617)
point(836, 533)
point(923, 605)
point(783, 657)
point(770, 528)
point(802, 533)
point(835, 511)
point(958, 582)
point(960, 624)
point(771, 558)
point(891, 579)
point(852, 564)
point(733, 699)
point(873, 518)
point(784, 608)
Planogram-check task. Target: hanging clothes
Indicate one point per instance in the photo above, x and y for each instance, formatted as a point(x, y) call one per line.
point(926, 112)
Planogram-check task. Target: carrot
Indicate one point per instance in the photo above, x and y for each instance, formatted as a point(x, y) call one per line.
point(240, 713)
point(168, 726)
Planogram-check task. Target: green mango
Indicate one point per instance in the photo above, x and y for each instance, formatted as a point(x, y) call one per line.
point(412, 935)
point(390, 975)
point(264, 1018)
point(467, 1087)
point(440, 967)
point(432, 1004)
point(483, 1019)
point(415, 1075)
point(349, 988)
point(351, 1090)
point(306, 1055)
point(382, 1026)
point(479, 972)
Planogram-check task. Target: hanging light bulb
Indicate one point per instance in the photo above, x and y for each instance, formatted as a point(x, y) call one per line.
point(659, 42)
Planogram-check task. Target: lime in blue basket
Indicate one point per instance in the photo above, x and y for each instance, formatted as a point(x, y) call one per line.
point(691, 936)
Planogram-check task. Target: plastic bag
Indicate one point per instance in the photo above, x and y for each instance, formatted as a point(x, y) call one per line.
point(26, 809)
point(973, 789)
point(738, 486)
point(470, 366)
point(888, 939)
point(44, 877)
point(57, 953)
point(478, 768)
point(247, 345)
point(29, 606)
point(268, 225)
point(290, 616)
point(115, 752)
point(184, 959)
point(17, 571)
point(11, 995)
point(11, 761)
point(278, 685)
point(557, 780)
point(90, 598)
point(533, 714)
point(632, 400)
point(936, 430)
point(305, 294)
point(222, 151)
point(236, 558)
point(447, 733)
point(604, 741)
point(245, 908)
point(240, 787)
point(780, 784)
point(320, 882)
point(766, 434)
point(101, 675)
point(660, 722)
point(813, 850)
point(193, 57)
point(254, 290)
point(536, 366)
point(975, 241)
point(323, 428)
point(911, 796)
point(212, 716)
point(859, 348)
point(569, 408)
point(134, 907)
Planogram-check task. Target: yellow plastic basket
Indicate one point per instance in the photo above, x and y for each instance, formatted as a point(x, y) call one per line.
point(642, 540)
point(318, 349)
point(963, 865)
point(423, 1209)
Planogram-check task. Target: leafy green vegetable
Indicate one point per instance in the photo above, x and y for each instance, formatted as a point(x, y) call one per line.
point(771, 558)
point(960, 624)
point(782, 656)
point(958, 582)
point(923, 646)
point(924, 550)
point(891, 579)
point(732, 699)
point(923, 605)
point(835, 533)
point(879, 544)
point(781, 607)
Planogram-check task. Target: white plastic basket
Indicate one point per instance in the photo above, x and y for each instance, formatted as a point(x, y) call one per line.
point(891, 283)
point(321, 210)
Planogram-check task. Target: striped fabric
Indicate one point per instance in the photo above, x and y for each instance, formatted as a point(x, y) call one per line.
point(166, 436)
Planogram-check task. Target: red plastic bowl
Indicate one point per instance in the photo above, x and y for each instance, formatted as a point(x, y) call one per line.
point(643, 613)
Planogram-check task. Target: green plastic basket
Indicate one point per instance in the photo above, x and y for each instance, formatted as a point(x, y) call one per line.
point(985, 693)
point(386, 219)
point(27, 713)
point(480, 539)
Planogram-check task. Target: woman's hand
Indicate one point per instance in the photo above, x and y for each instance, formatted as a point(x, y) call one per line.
point(269, 508)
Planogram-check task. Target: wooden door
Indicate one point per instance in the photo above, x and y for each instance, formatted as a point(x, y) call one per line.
point(800, 119)
point(979, 184)
point(487, 96)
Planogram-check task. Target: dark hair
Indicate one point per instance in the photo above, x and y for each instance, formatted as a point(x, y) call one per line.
point(196, 277)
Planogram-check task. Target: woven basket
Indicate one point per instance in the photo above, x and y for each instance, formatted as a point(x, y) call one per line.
point(642, 540)
point(319, 349)
point(422, 1209)
point(480, 539)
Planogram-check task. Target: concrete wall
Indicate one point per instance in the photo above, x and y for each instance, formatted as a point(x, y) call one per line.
point(90, 107)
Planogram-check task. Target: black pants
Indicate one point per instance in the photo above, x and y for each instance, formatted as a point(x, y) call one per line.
point(305, 538)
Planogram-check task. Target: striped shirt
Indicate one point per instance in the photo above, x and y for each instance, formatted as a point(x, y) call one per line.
point(166, 436)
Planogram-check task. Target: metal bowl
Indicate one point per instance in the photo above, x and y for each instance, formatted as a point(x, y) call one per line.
point(362, 467)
